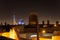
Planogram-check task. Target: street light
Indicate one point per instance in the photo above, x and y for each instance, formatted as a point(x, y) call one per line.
point(43, 31)
point(55, 25)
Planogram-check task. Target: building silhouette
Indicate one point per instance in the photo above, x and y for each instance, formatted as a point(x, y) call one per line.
point(33, 20)
point(33, 28)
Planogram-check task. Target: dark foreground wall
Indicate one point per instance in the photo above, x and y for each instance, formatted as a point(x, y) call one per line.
point(5, 38)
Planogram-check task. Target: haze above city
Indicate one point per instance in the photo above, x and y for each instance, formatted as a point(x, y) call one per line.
point(46, 10)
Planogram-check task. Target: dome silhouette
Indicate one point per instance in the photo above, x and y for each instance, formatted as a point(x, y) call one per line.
point(21, 22)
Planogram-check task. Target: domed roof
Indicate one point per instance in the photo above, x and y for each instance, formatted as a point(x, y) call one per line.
point(21, 22)
point(33, 13)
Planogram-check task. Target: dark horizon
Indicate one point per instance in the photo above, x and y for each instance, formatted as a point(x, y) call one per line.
point(46, 10)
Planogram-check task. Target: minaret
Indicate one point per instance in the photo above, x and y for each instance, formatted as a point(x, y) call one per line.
point(14, 21)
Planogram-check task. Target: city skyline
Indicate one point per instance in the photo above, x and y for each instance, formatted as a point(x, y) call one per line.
point(17, 22)
point(46, 10)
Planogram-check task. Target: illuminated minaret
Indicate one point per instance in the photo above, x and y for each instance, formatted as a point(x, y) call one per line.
point(14, 21)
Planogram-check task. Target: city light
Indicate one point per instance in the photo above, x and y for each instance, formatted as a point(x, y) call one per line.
point(55, 25)
point(21, 22)
point(30, 19)
point(33, 36)
point(12, 34)
point(43, 31)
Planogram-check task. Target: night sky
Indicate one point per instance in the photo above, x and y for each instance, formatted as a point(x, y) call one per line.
point(46, 10)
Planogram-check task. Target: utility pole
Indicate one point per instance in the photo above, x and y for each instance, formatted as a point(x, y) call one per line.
point(37, 32)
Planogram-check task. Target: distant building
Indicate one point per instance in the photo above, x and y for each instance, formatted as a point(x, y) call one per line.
point(33, 20)
point(21, 22)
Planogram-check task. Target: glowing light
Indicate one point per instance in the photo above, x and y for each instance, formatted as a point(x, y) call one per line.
point(55, 25)
point(33, 35)
point(21, 22)
point(6, 34)
point(59, 23)
point(55, 37)
point(43, 31)
point(12, 34)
